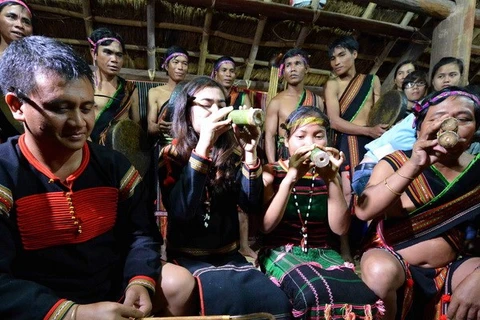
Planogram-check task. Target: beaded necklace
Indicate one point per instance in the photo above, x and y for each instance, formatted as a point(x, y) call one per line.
point(207, 207)
point(304, 229)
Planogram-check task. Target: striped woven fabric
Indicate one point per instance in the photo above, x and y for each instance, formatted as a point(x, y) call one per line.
point(320, 284)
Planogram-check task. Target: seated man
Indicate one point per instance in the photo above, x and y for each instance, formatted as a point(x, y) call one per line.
point(75, 236)
point(420, 201)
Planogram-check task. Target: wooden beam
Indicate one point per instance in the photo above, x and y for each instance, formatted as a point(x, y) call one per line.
point(254, 50)
point(453, 36)
point(204, 44)
point(87, 16)
point(475, 50)
point(415, 49)
point(151, 61)
point(433, 8)
point(59, 11)
point(276, 11)
point(386, 51)
point(369, 10)
point(474, 73)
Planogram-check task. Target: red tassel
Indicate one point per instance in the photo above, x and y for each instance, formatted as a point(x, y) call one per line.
point(409, 283)
point(443, 317)
point(446, 298)
point(168, 181)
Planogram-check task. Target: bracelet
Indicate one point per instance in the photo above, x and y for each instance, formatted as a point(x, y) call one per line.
point(73, 315)
point(405, 177)
point(391, 190)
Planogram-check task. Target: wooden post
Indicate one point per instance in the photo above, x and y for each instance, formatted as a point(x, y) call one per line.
point(254, 50)
point(453, 36)
point(413, 52)
point(151, 39)
point(433, 8)
point(386, 51)
point(205, 38)
point(87, 16)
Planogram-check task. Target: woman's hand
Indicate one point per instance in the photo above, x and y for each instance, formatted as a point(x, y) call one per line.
point(211, 128)
point(330, 171)
point(300, 163)
point(426, 150)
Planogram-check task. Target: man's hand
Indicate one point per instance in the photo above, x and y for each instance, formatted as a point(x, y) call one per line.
point(378, 130)
point(106, 311)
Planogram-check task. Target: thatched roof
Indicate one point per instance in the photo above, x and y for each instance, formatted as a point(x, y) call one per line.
point(232, 32)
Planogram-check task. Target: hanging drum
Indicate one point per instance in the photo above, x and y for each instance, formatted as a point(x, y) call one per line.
point(128, 137)
point(389, 109)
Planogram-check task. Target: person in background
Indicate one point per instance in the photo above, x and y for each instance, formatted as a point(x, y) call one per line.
point(349, 97)
point(295, 66)
point(115, 97)
point(209, 169)
point(159, 120)
point(402, 135)
point(447, 72)
point(224, 72)
point(15, 23)
point(415, 88)
point(76, 240)
point(403, 69)
point(419, 201)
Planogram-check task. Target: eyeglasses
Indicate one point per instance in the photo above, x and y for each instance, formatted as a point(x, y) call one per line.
point(418, 84)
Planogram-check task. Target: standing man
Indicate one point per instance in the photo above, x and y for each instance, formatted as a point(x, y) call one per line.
point(295, 65)
point(349, 96)
point(224, 73)
point(116, 98)
point(75, 235)
point(176, 67)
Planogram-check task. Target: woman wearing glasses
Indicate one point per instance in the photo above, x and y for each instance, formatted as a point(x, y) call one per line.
point(402, 135)
point(415, 87)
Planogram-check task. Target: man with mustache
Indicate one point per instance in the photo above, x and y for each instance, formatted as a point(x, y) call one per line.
point(76, 239)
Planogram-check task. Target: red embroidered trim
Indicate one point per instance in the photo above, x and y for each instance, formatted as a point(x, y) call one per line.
point(41, 167)
point(46, 220)
point(54, 307)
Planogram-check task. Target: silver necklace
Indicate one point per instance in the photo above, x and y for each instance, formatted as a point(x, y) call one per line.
point(304, 222)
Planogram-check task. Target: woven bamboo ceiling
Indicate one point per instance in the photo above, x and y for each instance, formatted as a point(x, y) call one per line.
point(251, 31)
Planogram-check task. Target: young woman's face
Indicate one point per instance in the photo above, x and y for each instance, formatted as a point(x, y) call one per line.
point(15, 23)
point(207, 101)
point(306, 136)
point(446, 76)
point(402, 72)
point(415, 90)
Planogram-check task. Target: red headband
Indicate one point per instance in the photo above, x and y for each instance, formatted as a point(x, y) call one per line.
point(23, 4)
